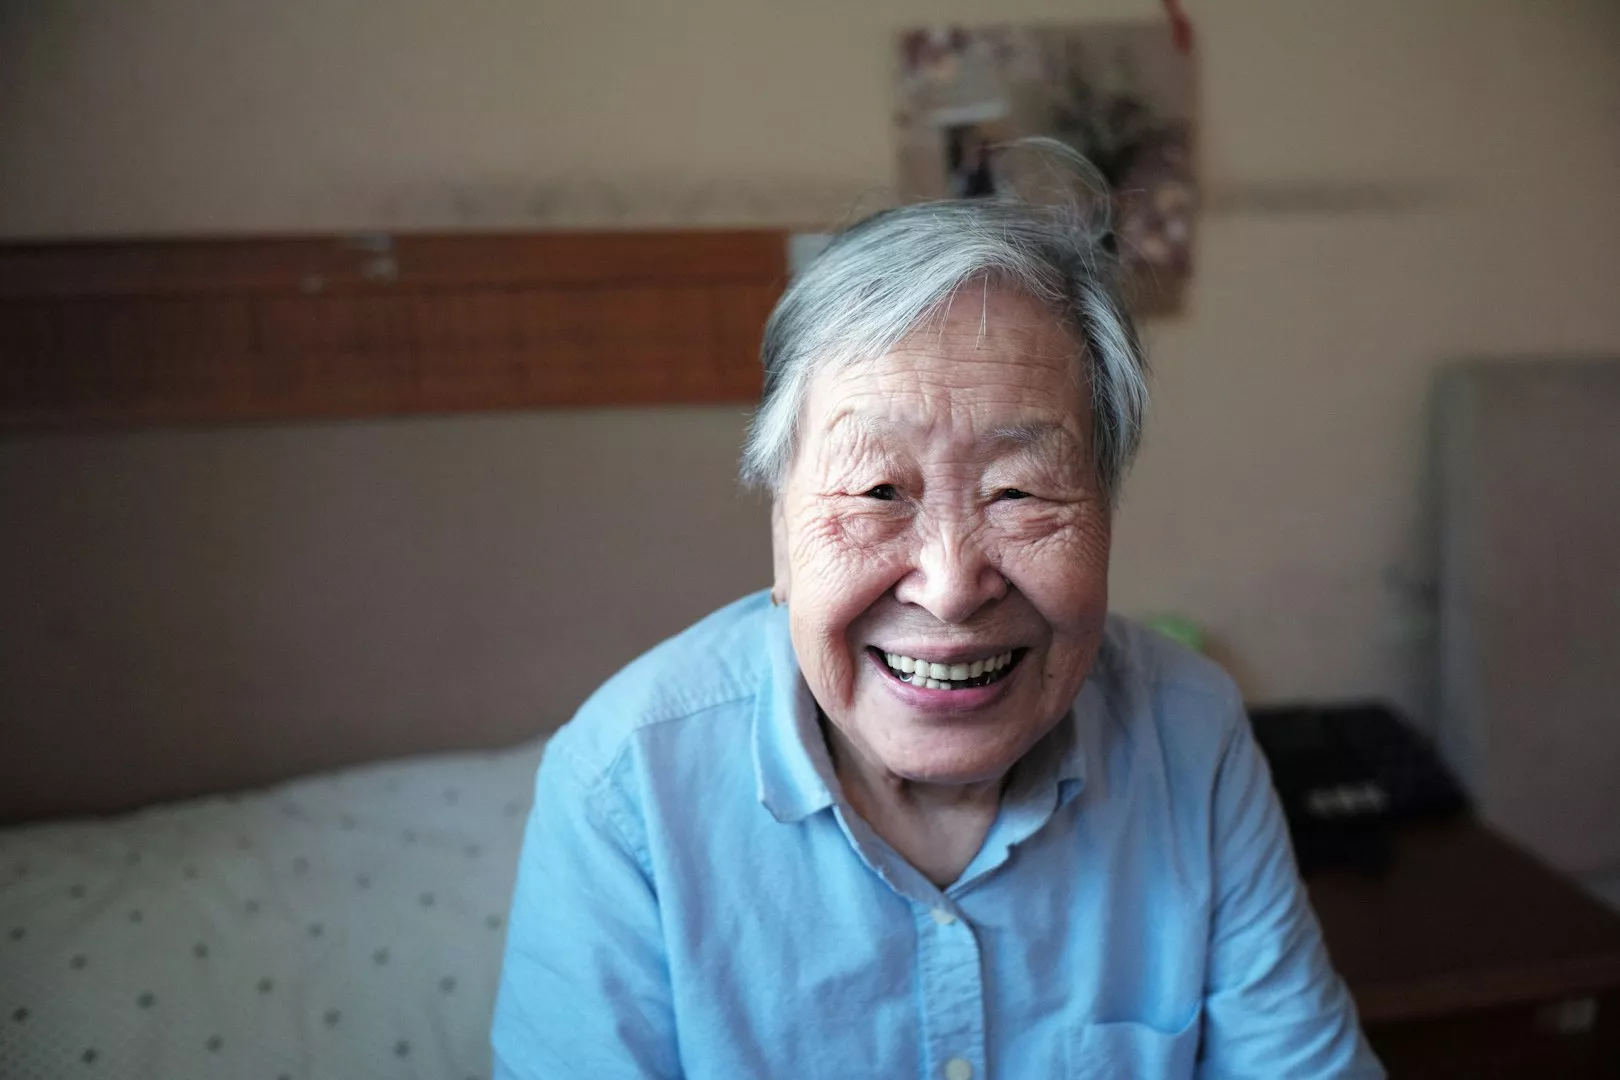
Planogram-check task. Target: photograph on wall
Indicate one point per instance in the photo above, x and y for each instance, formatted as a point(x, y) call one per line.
point(1120, 93)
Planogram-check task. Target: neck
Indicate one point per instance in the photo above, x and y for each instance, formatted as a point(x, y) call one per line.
point(874, 783)
point(938, 828)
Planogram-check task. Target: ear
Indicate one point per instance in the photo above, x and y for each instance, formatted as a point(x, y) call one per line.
point(779, 554)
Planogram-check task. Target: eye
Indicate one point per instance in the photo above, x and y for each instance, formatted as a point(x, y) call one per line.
point(883, 493)
point(1014, 493)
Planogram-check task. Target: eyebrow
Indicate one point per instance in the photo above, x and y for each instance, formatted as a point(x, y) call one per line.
point(849, 429)
point(858, 423)
point(1037, 435)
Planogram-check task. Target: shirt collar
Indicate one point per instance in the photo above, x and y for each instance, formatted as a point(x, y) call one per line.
point(1086, 715)
point(790, 756)
point(1078, 729)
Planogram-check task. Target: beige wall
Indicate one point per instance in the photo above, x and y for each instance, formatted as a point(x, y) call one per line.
point(211, 609)
point(1278, 498)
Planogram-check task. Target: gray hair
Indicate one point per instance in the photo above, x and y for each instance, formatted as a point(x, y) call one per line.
point(882, 278)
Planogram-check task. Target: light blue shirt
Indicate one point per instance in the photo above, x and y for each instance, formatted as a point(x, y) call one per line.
point(695, 899)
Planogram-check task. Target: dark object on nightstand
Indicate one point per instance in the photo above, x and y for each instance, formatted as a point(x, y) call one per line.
point(1346, 774)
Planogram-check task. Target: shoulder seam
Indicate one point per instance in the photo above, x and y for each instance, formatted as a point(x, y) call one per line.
point(610, 798)
point(687, 712)
point(611, 802)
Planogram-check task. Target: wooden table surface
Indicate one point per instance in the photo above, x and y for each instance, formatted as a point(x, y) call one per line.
point(1462, 920)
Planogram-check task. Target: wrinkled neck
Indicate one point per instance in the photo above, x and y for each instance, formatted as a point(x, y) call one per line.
point(938, 828)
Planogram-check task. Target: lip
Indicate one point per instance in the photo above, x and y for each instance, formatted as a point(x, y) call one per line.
point(923, 699)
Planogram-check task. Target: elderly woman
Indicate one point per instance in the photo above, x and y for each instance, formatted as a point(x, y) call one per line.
point(925, 809)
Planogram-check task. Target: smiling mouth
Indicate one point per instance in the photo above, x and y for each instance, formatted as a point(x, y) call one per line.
point(932, 676)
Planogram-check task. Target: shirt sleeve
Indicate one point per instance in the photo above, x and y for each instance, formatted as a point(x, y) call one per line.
point(584, 986)
point(1273, 1004)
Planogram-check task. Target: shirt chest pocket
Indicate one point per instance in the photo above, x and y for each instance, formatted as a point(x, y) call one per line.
point(1126, 1050)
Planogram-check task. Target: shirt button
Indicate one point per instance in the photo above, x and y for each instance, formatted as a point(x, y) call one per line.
point(945, 918)
point(958, 1069)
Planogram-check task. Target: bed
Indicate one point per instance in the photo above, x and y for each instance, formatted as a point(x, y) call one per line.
point(278, 509)
point(347, 925)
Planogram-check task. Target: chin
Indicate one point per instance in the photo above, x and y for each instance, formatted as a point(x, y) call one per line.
point(931, 756)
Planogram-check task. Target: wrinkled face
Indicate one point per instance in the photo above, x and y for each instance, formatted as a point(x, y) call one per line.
point(942, 542)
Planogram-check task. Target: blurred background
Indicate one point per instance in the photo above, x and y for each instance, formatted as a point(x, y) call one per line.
point(1397, 204)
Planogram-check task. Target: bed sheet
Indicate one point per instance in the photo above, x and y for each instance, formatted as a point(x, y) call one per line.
point(338, 927)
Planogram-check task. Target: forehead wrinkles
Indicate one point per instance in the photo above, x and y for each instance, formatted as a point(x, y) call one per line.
point(955, 342)
point(1001, 349)
point(926, 392)
point(853, 436)
point(988, 319)
point(981, 364)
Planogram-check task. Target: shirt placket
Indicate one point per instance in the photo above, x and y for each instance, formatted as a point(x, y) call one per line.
point(950, 964)
point(952, 988)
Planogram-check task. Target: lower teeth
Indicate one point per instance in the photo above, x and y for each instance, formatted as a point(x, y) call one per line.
point(944, 684)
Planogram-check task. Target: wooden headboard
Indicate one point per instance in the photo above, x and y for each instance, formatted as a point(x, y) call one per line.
point(185, 331)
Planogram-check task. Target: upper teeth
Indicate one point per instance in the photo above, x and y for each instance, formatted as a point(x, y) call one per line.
point(923, 672)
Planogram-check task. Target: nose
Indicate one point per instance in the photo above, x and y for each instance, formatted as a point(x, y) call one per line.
point(952, 579)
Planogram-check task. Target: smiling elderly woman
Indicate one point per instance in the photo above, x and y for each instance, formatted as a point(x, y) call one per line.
point(925, 810)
